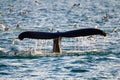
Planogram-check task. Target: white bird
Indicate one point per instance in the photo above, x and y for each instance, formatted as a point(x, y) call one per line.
point(3, 27)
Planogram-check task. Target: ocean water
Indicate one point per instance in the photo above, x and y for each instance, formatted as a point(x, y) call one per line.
point(82, 58)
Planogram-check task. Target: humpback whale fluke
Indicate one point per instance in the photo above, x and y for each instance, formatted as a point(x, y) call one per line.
point(57, 36)
point(67, 34)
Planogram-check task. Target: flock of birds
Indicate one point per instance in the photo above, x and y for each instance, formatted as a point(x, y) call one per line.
point(3, 26)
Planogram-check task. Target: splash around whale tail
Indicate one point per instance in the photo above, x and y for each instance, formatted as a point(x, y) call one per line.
point(67, 34)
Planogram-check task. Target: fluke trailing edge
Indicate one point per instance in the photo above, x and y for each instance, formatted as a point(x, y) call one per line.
point(67, 34)
point(57, 36)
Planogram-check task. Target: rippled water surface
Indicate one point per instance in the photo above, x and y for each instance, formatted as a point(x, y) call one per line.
point(83, 58)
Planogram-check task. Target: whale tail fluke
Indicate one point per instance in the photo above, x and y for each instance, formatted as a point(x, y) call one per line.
point(67, 34)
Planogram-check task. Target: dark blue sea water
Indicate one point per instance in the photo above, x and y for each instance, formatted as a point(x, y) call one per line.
point(82, 58)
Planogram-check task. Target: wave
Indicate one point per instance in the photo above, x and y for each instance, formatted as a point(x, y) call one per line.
point(37, 54)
